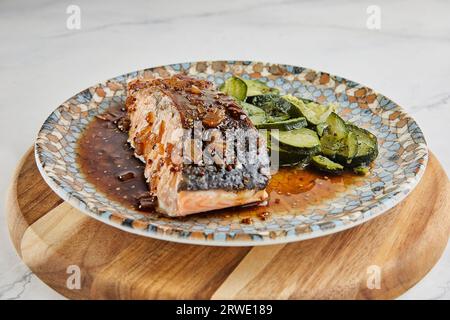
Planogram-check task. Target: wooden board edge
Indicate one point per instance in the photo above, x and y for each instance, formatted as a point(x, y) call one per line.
point(17, 224)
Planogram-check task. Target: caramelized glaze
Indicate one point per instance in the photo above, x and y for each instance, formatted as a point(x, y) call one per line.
point(195, 99)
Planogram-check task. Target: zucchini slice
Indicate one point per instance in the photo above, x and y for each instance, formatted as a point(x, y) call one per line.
point(256, 115)
point(287, 158)
point(256, 88)
point(304, 141)
point(324, 164)
point(257, 119)
point(348, 144)
point(348, 150)
point(274, 105)
point(235, 87)
point(284, 125)
point(250, 109)
point(330, 145)
point(336, 126)
point(313, 112)
point(278, 118)
point(320, 128)
point(334, 135)
point(367, 146)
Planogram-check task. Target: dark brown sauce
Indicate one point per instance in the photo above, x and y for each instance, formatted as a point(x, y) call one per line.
point(108, 162)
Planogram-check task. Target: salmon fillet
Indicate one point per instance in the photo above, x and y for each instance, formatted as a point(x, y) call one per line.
point(191, 170)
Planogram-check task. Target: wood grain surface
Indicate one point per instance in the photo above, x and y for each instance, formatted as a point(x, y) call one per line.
point(404, 244)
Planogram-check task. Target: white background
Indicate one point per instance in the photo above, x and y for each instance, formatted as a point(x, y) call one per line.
point(42, 63)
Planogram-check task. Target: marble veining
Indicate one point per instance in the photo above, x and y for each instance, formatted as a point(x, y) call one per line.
point(440, 101)
point(15, 289)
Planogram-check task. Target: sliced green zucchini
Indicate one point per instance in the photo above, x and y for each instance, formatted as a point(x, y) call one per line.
point(289, 158)
point(302, 164)
point(334, 135)
point(351, 146)
point(348, 149)
point(274, 105)
point(320, 128)
point(250, 109)
point(313, 112)
point(278, 118)
point(367, 146)
point(304, 141)
point(257, 119)
point(329, 145)
point(336, 126)
point(285, 125)
point(256, 88)
point(235, 87)
point(285, 157)
point(324, 164)
point(256, 115)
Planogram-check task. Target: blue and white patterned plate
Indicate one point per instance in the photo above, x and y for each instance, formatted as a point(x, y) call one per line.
point(397, 170)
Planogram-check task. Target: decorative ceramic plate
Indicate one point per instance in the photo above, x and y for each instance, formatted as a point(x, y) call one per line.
point(401, 162)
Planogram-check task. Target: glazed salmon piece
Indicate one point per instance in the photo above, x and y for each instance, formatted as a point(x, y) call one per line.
point(186, 176)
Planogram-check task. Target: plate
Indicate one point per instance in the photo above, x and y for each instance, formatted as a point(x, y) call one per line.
point(402, 159)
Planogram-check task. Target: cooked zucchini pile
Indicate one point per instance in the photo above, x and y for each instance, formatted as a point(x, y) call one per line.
point(308, 133)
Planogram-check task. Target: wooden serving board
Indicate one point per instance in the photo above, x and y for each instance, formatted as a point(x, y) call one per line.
point(403, 245)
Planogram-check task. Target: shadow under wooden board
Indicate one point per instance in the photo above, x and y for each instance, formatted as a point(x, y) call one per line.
point(405, 243)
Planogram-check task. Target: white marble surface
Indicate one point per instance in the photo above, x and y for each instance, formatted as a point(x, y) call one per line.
point(42, 63)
